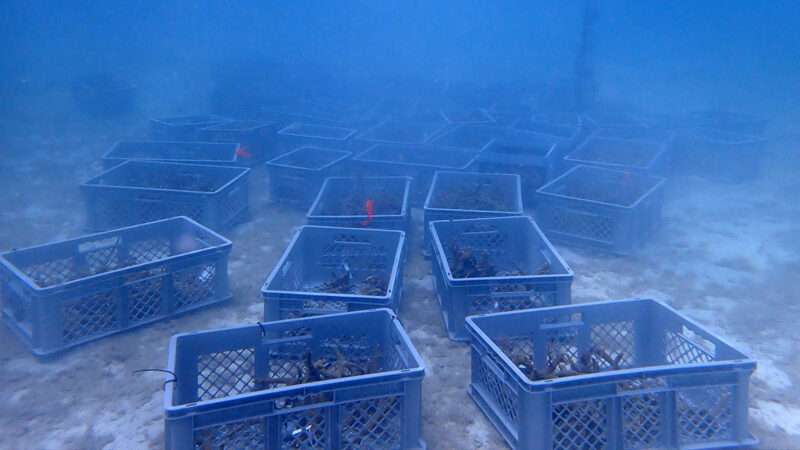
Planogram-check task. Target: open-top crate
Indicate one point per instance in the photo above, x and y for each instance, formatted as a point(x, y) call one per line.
point(188, 152)
point(347, 201)
point(142, 191)
point(469, 137)
point(645, 156)
point(601, 208)
point(257, 139)
point(302, 134)
point(719, 155)
point(182, 128)
point(343, 381)
point(534, 157)
point(63, 294)
point(608, 375)
point(327, 270)
point(470, 195)
point(416, 161)
point(296, 177)
point(497, 264)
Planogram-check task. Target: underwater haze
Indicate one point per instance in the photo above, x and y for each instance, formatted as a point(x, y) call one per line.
point(337, 156)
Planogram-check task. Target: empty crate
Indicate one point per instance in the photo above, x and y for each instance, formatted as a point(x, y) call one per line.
point(489, 265)
point(172, 151)
point(182, 128)
point(300, 134)
point(344, 381)
point(416, 161)
point(257, 140)
point(534, 157)
point(719, 155)
point(601, 208)
point(63, 294)
point(373, 202)
point(469, 137)
point(609, 375)
point(467, 195)
point(296, 177)
point(329, 270)
point(141, 191)
point(644, 156)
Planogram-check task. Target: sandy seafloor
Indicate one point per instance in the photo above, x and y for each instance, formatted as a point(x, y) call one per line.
point(727, 255)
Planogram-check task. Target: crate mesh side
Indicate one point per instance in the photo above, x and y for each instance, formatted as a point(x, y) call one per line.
point(194, 285)
point(705, 414)
point(501, 395)
point(90, 315)
point(593, 226)
point(150, 210)
point(580, 425)
point(224, 374)
point(144, 299)
point(367, 258)
point(148, 250)
point(530, 296)
point(680, 350)
point(53, 272)
point(247, 434)
point(304, 430)
point(375, 423)
point(642, 420)
point(617, 340)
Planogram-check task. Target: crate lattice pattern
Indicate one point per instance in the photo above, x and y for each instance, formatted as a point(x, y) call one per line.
point(242, 435)
point(641, 420)
point(511, 297)
point(580, 425)
point(375, 423)
point(616, 338)
point(705, 414)
point(194, 285)
point(90, 315)
point(367, 258)
point(225, 374)
point(144, 299)
point(305, 430)
point(600, 228)
point(504, 397)
point(680, 350)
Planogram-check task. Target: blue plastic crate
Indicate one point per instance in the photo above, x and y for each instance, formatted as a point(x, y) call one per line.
point(296, 177)
point(532, 156)
point(637, 155)
point(251, 387)
point(172, 151)
point(60, 295)
point(327, 270)
point(302, 134)
point(609, 375)
point(257, 139)
point(719, 155)
point(416, 161)
point(566, 130)
point(342, 202)
point(601, 208)
point(182, 128)
point(469, 195)
point(469, 137)
point(467, 116)
point(519, 269)
point(141, 191)
point(402, 132)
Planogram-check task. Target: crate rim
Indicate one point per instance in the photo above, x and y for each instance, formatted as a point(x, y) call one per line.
point(442, 259)
point(438, 130)
point(213, 118)
point(551, 146)
point(344, 154)
point(701, 132)
point(350, 131)
point(744, 363)
point(658, 153)
point(172, 410)
point(536, 117)
point(517, 209)
point(92, 182)
point(403, 208)
point(659, 183)
point(257, 124)
point(109, 156)
point(484, 111)
point(423, 147)
point(390, 283)
point(225, 246)
point(454, 127)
